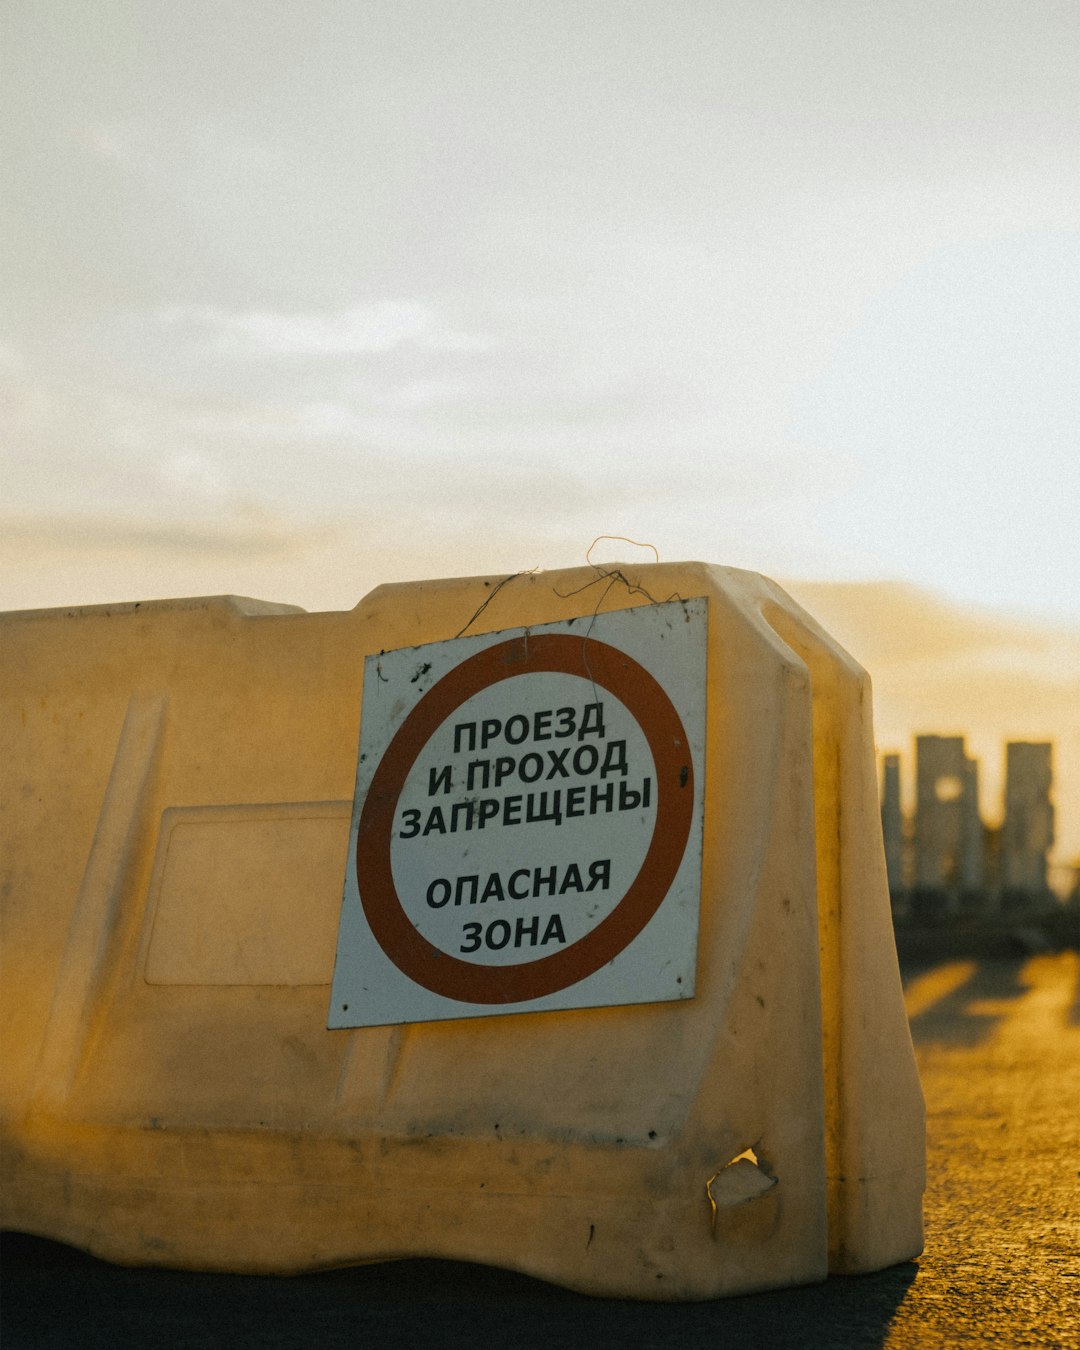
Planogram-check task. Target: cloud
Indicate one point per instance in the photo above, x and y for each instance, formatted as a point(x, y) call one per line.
point(196, 474)
point(360, 330)
point(125, 145)
point(54, 539)
point(897, 624)
point(11, 358)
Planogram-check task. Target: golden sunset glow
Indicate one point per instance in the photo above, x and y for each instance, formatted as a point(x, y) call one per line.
point(296, 308)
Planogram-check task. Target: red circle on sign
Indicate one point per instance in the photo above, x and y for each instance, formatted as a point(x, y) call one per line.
point(468, 981)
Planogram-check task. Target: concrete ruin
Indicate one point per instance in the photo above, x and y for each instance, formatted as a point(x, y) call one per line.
point(944, 859)
point(1027, 832)
point(892, 823)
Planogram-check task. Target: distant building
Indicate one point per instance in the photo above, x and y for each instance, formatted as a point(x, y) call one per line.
point(1027, 831)
point(946, 860)
point(948, 832)
point(892, 826)
point(972, 837)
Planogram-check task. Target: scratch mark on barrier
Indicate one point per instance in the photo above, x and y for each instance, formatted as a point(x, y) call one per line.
point(527, 572)
point(612, 575)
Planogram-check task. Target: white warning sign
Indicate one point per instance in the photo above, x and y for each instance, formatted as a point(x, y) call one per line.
point(526, 830)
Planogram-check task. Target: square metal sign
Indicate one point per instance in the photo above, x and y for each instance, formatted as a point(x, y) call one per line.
point(526, 828)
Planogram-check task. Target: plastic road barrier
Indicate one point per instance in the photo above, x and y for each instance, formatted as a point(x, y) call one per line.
point(537, 921)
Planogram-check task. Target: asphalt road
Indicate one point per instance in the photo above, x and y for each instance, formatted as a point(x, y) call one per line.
point(998, 1045)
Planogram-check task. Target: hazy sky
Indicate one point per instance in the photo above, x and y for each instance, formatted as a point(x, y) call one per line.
point(301, 298)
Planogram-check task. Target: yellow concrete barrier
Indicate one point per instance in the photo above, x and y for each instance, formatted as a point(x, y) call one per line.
point(180, 814)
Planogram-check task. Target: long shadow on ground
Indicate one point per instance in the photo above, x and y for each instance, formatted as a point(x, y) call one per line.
point(54, 1296)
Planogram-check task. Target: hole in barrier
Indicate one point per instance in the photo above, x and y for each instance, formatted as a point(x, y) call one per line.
point(736, 1183)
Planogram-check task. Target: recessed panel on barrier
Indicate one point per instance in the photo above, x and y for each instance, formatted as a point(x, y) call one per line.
point(526, 830)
